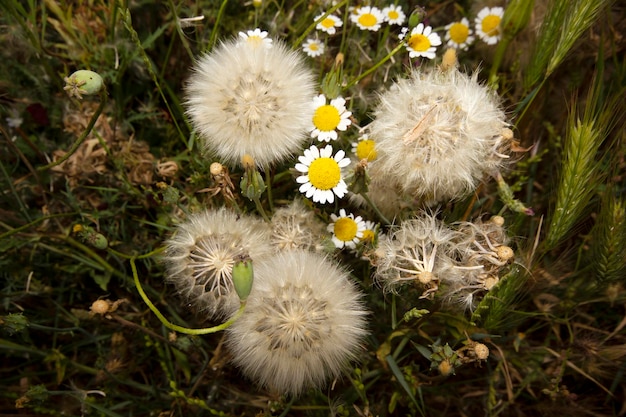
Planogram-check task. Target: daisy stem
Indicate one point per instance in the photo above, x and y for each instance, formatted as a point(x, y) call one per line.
point(261, 210)
point(268, 183)
point(311, 27)
point(82, 137)
point(180, 329)
point(375, 67)
point(375, 208)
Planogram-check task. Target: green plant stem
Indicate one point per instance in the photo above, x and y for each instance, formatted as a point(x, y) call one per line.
point(34, 222)
point(375, 208)
point(375, 67)
point(82, 137)
point(216, 26)
point(311, 27)
point(175, 327)
point(261, 210)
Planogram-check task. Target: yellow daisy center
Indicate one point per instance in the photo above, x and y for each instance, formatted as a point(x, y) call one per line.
point(491, 25)
point(419, 42)
point(366, 149)
point(328, 23)
point(326, 118)
point(324, 173)
point(367, 20)
point(368, 235)
point(459, 33)
point(345, 229)
point(393, 15)
point(255, 40)
point(313, 47)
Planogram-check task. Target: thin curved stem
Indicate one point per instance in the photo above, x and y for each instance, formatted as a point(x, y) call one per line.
point(173, 326)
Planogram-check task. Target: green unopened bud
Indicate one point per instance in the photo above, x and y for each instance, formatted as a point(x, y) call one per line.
point(243, 277)
point(252, 184)
point(90, 236)
point(83, 82)
point(359, 180)
point(416, 17)
point(13, 323)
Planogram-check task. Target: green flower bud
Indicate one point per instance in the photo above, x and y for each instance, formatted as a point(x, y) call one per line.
point(243, 277)
point(252, 184)
point(83, 82)
point(416, 17)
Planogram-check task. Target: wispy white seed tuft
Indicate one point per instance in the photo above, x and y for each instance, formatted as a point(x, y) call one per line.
point(201, 254)
point(247, 98)
point(303, 323)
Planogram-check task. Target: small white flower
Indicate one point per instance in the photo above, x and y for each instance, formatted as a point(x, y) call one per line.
point(422, 41)
point(328, 117)
point(368, 18)
point(322, 178)
point(365, 148)
point(488, 24)
point(394, 15)
point(256, 37)
point(459, 34)
point(329, 24)
point(370, 231)
point(313, 47)
point(347, 230)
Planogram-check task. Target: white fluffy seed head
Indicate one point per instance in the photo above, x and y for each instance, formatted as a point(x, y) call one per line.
point(245, 98)
point(303, 322)
point(296, 227)
point(200, 256)
point(438, 134)
point(420, 250)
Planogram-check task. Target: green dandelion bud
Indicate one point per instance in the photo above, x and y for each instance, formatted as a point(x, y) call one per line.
point(90, 236)
point(516, 16)
point(243, 277)
point(416, 17)
point(83, 82)
point(252, 184)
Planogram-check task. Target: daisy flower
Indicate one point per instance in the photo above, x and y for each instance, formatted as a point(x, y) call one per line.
point(394, 15)
point(488, 24)
point(303, 323)
point(422, 41)
point(313, 47)
point(328, 117)
point(370, 231)
point(347, 230)
point(365, 148)
point(256, 37)
point(368, 18)
point(459, 34)
point(329, 24)
point(243, 99)
point(322, 177)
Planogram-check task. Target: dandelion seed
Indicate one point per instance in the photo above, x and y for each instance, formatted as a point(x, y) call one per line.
point(200, 257)
point(322, 178)
point(313, 47)
point(488, 24)
point(437, 135)
point(422, 42)
point(302, 324)
point(328, 118)
point(347, 230)
point(329, 24)
point(243, 99)
point(459, 34)
point(394, 15)
point(368, 18)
